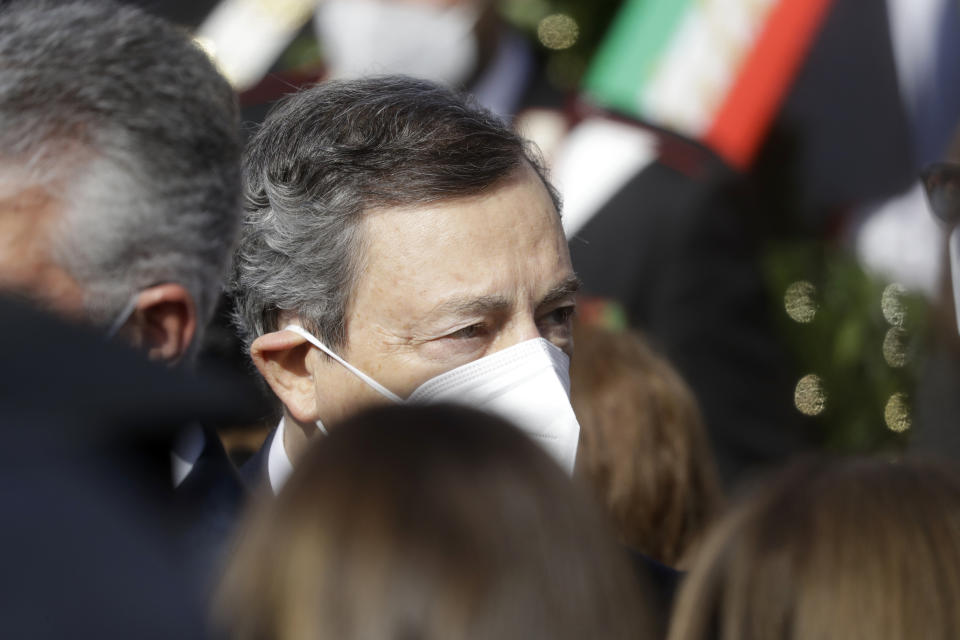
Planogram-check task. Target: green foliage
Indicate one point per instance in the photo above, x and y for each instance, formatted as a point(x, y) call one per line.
point(844, 343)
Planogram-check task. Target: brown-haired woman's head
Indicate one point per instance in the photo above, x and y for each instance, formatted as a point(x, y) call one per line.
point(833, 549)
point(643, 449)
point(428, 523)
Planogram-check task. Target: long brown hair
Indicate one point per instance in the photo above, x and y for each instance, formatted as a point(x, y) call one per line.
point(429, 523)
point(833, 549)
point(643, 449)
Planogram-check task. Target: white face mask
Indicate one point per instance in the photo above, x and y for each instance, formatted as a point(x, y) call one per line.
point(528, 384)
point(371, 37)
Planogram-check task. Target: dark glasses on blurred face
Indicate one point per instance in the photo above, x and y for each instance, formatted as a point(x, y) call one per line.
point(941, 181)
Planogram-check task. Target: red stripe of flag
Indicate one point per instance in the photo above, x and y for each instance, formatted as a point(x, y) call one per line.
point(742, 121)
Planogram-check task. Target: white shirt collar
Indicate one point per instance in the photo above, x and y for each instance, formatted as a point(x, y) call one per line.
point(186, 451)
point(278, 463)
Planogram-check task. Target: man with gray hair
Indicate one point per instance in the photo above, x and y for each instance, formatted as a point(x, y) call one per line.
point(401, 244)
point(119, 183)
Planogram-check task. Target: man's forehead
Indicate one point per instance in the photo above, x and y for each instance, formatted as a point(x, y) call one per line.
point(523, 190)
point(481, 246)
point(515, 213)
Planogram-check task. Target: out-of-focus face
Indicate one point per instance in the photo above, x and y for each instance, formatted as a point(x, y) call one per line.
point(446, 284)
point(28, 220)
point(447, 41)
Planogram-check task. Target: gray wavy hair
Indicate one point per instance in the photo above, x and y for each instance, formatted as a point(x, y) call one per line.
point(326, 155)
point(122, 118)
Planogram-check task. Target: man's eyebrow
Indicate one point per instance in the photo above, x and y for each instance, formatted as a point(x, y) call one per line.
point(481, 305)
point(560, 291)
point(486, 305)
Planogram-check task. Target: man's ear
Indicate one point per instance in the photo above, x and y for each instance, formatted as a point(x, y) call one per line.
point(163, 322)
point(281, 358)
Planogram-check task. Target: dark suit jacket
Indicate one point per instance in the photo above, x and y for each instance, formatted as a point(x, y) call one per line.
point(254, 473)
point(90, 543)
point(211, 498)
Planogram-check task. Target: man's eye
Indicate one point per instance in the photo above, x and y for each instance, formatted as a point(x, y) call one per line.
point(562, 315)
point(473, 331)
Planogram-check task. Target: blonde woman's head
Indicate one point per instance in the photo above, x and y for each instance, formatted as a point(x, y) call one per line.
point(848, 549)
point(429, 523)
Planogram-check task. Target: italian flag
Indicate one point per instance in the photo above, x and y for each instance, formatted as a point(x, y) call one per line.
point(713, 70)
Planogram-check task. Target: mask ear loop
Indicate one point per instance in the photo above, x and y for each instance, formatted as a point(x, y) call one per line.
point(123, 316)
point(306, 335)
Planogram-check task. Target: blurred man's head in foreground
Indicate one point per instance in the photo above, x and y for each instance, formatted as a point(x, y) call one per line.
point(119, 170)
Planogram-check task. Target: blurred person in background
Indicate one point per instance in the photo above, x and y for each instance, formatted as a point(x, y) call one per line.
point(675, 246)
point(119, 188)
point(856, 548)
point(463, 44)
point(401, 244)
point(734, 149)
point(937, 400)
point(643, 450)
point(271, 49)
point(431, 522)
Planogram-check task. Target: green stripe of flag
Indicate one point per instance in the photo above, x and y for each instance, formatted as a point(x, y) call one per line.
point(628, 55)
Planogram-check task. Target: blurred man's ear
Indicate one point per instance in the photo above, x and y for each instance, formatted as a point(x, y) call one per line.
point(163, 323)
point(282, 359)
